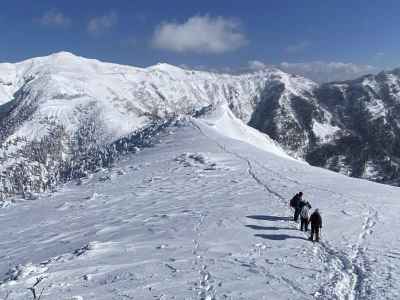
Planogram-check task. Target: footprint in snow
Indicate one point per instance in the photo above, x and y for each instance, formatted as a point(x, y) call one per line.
point(162, 246)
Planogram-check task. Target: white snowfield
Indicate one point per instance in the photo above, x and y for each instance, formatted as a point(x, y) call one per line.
point(202, 215)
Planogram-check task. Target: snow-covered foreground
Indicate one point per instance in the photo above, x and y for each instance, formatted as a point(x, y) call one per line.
point(202, 216)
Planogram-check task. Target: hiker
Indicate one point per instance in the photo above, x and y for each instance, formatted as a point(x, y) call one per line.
point(316, 225)
point(294, 203)
point(304, 216)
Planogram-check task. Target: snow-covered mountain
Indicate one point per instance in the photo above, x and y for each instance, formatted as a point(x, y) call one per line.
point(367, 111)
point(63, 86)
point(61, 114)
point(169, 194)
point(352, 127)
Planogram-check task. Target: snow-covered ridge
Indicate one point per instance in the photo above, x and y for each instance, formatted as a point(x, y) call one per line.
point(62, 84)
point(62, 99)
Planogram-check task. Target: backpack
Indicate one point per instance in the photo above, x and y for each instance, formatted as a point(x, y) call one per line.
point(316, 219)
point(305, 212)
point(293, 201)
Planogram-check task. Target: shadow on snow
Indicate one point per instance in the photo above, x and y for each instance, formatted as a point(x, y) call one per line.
point(274, 237)
point(257, 227)
point(269, 218)
point(279, 237)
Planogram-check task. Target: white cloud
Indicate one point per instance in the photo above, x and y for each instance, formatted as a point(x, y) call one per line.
point(328, 71)
point(200, 34)
point(97, 25)
point(54, 18)
point(295, 48)
point(256, 65)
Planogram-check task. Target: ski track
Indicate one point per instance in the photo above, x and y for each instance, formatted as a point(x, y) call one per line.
point(347, 271)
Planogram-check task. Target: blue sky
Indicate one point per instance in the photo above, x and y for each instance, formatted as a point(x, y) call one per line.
point(346, 37)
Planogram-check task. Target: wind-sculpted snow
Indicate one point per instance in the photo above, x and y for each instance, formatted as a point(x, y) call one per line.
point(201, 216)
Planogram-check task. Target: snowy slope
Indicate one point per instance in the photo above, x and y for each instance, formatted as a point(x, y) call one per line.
point(227, 124)
point(202, 216)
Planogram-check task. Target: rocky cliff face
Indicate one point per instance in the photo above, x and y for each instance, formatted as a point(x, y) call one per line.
point(368, 111)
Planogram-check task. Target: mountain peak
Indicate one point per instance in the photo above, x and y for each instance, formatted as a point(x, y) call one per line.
point(162, 66)
point(63, 54)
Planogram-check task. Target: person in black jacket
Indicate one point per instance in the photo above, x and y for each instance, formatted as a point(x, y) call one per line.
point(316, 225)
point(295, 203)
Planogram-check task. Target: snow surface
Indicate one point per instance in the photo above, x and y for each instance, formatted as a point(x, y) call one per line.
point(7, 82)
point(324, 131)
point(392, 82)
point(370, 171)
point(226, 124)
point(377, 109)
point(202, 216)
point(370, 81)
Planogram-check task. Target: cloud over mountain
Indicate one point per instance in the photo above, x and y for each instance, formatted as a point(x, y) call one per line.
point(200, 34)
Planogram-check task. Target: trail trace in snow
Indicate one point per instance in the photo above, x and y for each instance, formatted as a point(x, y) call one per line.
point(202, 216)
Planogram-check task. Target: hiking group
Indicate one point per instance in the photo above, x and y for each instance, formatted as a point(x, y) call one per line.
point(302, 210)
